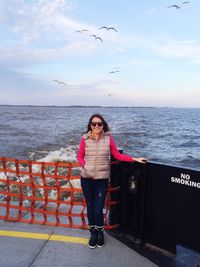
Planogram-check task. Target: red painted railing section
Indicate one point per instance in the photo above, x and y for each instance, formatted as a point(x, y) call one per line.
point(44, 193)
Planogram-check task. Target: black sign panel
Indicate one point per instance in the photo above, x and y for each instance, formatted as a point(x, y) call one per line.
point(172, 207)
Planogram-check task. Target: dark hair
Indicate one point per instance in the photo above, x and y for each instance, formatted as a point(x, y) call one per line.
point(105, 124)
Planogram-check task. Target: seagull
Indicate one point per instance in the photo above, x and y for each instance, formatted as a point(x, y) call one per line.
point(176, 6)
point(60, 82)
point(97, 37)
point(111, 94)
point(108, 28)
point(83, 30)
point(113, 71)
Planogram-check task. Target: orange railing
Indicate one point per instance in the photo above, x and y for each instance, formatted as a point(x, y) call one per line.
point(44, 193)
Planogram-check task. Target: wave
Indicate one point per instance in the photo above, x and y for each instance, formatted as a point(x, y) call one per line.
point(62, 155)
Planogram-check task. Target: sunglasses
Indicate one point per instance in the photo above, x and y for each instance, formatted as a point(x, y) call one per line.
point(97, 123)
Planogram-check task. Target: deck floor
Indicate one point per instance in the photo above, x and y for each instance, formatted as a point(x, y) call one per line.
point(19, 249)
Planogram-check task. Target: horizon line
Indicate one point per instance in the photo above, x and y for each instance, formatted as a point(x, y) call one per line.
point(93, 106)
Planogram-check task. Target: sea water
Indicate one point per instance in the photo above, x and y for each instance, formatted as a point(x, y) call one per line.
point(49, 133)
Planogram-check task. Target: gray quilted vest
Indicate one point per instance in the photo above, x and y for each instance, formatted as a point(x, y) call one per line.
point(97, 157)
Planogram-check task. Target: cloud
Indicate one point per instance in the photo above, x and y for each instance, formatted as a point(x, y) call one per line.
point(25, 56)
point(10, 78)
point(47, 20)
point(186, 49)
point(36, 21)
point(25, 89)
point(43, 31)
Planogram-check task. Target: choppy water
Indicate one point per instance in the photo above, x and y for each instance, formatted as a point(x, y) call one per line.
point(166, 135)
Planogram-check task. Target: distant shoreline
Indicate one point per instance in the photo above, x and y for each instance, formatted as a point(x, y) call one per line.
point(84, 106)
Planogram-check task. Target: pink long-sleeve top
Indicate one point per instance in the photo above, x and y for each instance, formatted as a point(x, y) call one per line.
point(113, 149)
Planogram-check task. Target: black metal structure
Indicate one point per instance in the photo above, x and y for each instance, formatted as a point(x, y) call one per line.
point(159, 204)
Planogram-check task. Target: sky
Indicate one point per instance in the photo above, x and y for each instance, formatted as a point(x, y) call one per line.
point(150, 58)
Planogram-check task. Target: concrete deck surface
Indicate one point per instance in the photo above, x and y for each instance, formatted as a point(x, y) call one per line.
point(31, 252)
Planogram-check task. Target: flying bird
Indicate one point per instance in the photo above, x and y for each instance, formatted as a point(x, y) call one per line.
point(113, 71)
point(108, 28)
point(111, 94)
point(60, 82)
point(83, 30)
point(97, 37)
point(176, 6)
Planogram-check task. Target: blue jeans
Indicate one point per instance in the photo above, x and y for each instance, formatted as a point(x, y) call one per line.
point(95, 192)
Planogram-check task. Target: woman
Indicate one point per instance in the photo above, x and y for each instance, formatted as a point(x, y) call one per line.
point(94, 158)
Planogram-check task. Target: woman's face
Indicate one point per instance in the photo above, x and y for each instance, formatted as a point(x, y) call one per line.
point(97, 125)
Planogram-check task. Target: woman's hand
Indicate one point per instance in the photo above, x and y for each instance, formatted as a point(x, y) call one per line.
point(140, 160)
